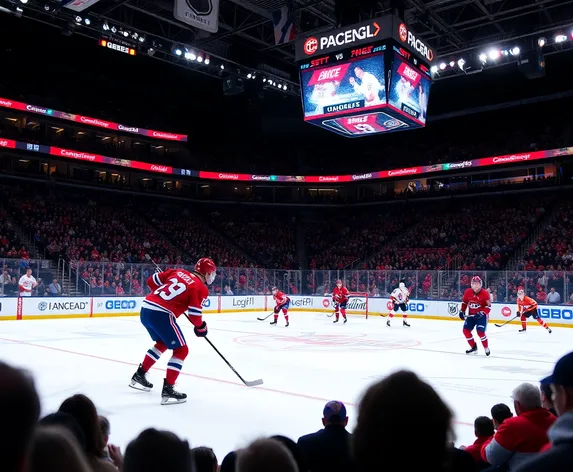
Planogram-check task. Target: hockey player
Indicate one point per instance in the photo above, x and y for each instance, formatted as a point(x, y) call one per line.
point(173, 292)
point(527, 307)
point(399, 298)
point(340, 297)
point(479, 304)
point(283, 303)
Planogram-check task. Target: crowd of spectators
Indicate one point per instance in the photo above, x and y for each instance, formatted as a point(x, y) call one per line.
point(536, 437)
point(268, 236)
point(104, 240)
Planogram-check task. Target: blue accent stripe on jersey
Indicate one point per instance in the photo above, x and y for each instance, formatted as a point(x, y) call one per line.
point(154, 306)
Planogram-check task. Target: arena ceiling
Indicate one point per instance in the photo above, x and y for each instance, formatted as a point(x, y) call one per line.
point(245, 35)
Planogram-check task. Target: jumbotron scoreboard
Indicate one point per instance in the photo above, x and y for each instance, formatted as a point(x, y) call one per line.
point(372, 77)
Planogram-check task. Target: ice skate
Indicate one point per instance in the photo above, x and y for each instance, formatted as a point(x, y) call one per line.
point(388, 323)
point(345, 320)
point(523, 330)
point(139, 381)
point(487, 351)
point(472, 350)
point(549, 330)
point(273, 323)
point(170, 396)
point(336, 320)
point(405, 324)
point(286, 326)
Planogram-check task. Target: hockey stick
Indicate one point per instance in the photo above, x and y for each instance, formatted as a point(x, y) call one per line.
point(157, 268)
point(263, 319)
point(254, 383)
point(508, 321)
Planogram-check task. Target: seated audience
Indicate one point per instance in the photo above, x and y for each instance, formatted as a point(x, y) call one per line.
point(54, 448)
point(328, 450)
point(483, 430)
point(559, 457)
point(157, 451)
point(19, 412)
point(521, 436)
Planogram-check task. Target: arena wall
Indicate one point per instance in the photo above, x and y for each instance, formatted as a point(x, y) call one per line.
point(31, 308)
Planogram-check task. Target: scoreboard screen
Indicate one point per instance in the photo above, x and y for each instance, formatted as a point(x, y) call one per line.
point(343, 87)
point(409, 89)
point(365, 79)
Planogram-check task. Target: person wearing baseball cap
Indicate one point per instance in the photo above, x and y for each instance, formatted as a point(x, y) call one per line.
point(328, 450)
point(559, 457)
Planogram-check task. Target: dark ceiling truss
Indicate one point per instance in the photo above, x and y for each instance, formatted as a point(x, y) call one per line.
point(246, 37)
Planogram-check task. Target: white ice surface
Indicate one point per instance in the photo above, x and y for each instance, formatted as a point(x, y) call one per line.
point(302, 366)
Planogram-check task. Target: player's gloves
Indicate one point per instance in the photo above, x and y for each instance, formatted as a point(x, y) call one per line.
point(462, 316)
point(201, 330)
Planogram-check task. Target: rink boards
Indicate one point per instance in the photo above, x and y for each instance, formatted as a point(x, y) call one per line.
point(87, 307)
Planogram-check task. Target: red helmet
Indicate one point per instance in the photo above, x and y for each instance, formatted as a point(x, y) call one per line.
point(206, 267)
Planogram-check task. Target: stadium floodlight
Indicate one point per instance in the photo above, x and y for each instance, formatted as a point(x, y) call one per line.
point(207, 60)
point(126, 33)
point(493, 54)
point(199, 58)
point(483, 58)
point(78, 19)
point(452, 63)
point(177, 51)
point(541, 42)
point(461, 63)
point(515, 51)
point(87, 21)
point(113, 29)
point(24, 1)
point(443, 65)
point(142, 38)
point(105, 26)
point(187, 55)
point(434, 69)
point(222, 66)
point(560, 38)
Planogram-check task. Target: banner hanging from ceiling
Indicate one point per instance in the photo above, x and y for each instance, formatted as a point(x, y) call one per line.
point(201, 14)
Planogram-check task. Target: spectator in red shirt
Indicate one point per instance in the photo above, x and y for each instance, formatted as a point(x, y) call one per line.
point(483, 429)
point(520, 437)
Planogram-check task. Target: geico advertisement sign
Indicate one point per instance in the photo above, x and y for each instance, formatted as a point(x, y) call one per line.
point(117, 305)
point(556, 313)
point(64, 306)
point(417, 307)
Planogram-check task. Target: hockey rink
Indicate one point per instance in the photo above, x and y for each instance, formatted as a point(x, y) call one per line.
point(303, 366)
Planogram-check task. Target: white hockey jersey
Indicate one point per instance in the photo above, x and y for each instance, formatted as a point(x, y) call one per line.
point(27, 283)
point(400, 295)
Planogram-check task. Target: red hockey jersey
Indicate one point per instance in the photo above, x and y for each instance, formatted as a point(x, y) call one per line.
point(177, 291)
point(280, 298)
point(477, 302)
point(340, 295)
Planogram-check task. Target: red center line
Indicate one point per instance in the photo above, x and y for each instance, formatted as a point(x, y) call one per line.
point(228, 382)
